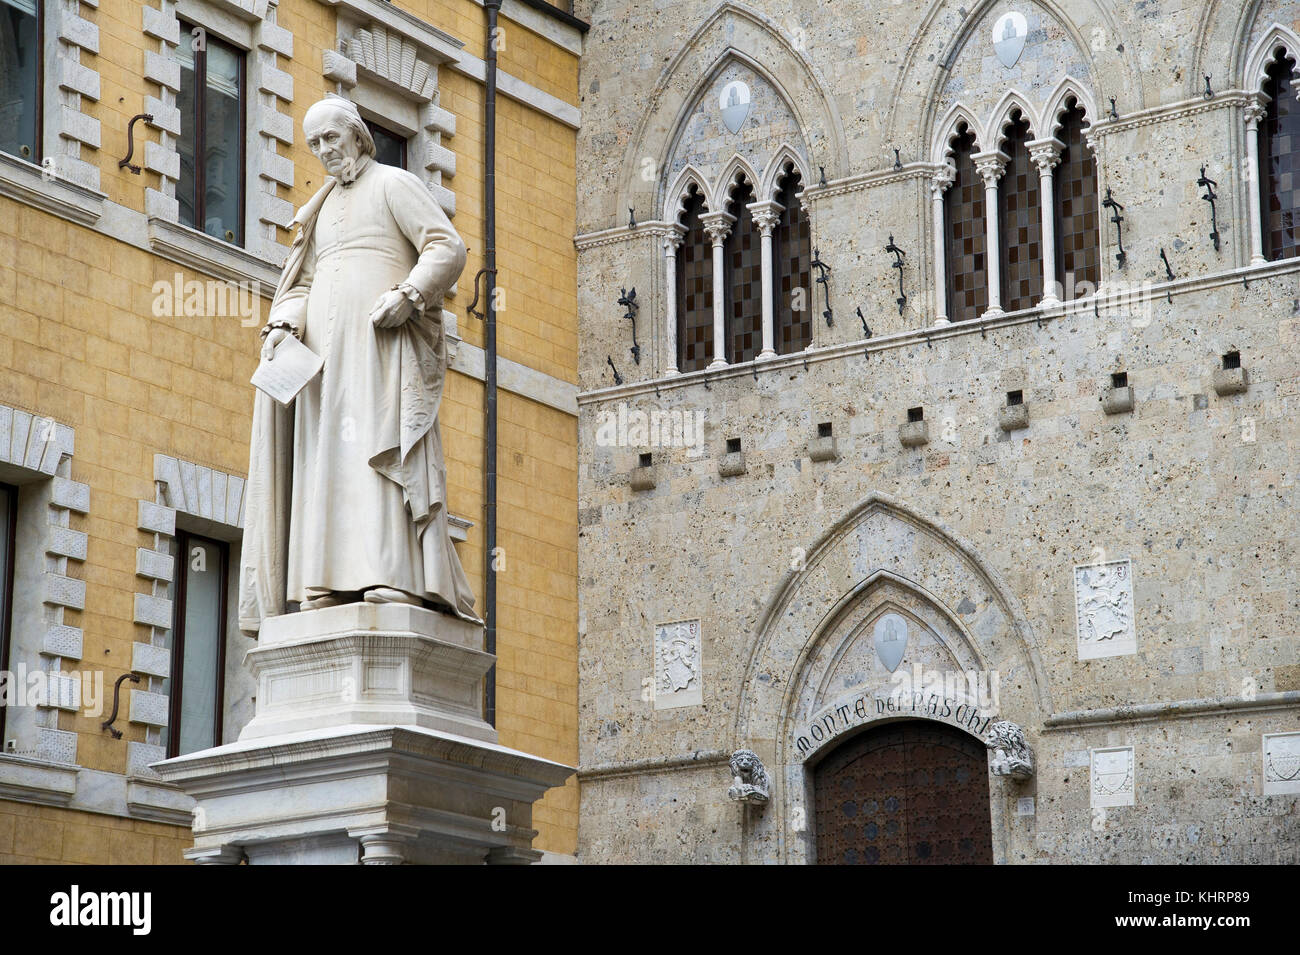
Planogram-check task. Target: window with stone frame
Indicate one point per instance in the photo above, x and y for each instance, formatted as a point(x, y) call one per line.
point(1020, 221)
point(21, 64)
point(1279, 161)
point(8, 536)
point(212, 103)
point(694, 288)
point(390, 146)
point(792, 268)
point(967, 269)
point(198, 660)
point(1078, 219)
point(743, 257)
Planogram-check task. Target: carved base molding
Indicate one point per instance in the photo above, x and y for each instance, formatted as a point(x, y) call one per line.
point(368, 746)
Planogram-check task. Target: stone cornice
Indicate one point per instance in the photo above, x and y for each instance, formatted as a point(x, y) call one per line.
point(868, 180)
point(920, 336)
point(1171, 710)
point(1172, 111)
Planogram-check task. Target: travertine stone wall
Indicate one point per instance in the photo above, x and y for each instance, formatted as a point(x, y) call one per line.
point(981, 528)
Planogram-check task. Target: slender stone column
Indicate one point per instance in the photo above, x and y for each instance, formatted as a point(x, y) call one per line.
point(766, 216)
point(717, 226)
point(672, 242)
point(939, 184)
point(1253, 113)
point(990, 167)
point(1046, 154)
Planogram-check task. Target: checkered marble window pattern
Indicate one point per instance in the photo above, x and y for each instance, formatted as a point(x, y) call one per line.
point(694, 290)
point(1078, 222)
point(743, 256)
point(1020, 220)
point(1279, 158)
point(792, 258)
point(964, 214)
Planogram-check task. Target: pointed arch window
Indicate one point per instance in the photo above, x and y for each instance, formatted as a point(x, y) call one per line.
point(1279, 161)
point(967, 284)
point(1020, 221)
point(694, 288)
point(1078, 222)
point(744, 278)
point(792, 274)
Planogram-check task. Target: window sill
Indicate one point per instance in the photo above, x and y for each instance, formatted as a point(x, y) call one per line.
point(29, 780)
point(158, 801)
point(203, 253)
point(28, 183)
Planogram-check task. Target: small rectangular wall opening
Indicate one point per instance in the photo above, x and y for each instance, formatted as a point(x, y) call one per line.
point(733, 445)
point(646, 459)
point(1119, 379)
point(1015, 398)
point(1232, 359)
point(915, 414)
point(824, 429)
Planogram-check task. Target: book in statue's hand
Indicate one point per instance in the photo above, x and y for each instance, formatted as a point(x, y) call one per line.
point(288, 369)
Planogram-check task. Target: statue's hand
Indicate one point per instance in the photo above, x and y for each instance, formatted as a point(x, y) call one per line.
point(273, 338)
point(392, 309)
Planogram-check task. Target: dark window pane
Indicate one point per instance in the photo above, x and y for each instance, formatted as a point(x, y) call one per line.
point(185, 144)
point(1279, 159)
point(209, 191)
point(198, 643)
point(222, 152)
point(1020, 222)
point(20, 78)
point(744, 279)
point(1078, 239)
point(390, 147)
point(694, 290)
point(792, 270)
point(964, 215)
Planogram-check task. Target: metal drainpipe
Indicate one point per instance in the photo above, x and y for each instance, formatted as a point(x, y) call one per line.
point(490, 358)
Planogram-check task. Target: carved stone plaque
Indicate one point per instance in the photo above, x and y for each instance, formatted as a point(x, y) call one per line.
point(1111, 779)
point(1103, 599)
point(679, 677)
point(1281, 763)
point(1009, 35)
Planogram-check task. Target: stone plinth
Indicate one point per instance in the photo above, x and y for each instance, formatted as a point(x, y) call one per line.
point(368, 744)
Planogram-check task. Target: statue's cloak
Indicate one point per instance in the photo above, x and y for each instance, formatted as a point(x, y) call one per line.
point(409, 453)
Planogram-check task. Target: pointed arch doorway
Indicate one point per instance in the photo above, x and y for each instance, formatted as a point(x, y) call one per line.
point(913, 792)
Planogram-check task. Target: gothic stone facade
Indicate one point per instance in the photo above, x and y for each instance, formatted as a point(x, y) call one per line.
point(1123, 561)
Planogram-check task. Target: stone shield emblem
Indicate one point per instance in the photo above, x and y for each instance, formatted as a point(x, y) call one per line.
point(890, 638)
point(734, 102)
point(1009, 35)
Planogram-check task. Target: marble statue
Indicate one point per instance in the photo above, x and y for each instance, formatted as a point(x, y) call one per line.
point(347, 488)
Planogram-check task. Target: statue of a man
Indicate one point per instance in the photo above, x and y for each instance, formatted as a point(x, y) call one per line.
point(347, 492)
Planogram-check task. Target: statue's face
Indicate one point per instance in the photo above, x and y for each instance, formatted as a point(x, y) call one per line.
point(329, 138)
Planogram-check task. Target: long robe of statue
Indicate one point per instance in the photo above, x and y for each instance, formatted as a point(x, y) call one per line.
point(347, 488)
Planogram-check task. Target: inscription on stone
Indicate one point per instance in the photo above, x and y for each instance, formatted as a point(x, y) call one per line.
point(1112, 777)
point(1281, 763)
point(679, 678)
point(1103, 596)
point(858, 708)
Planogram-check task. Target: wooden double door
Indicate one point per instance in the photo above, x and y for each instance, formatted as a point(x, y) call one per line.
point(907, 793)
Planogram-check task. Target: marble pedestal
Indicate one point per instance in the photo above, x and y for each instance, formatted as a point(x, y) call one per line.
point(367, 744)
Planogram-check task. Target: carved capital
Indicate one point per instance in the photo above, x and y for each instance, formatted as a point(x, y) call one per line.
point(717, 226)
point(1253, 112)
point(673, 239)
point(1046, 153)
point(766, 215)
point(991, 166)
point(942, 179)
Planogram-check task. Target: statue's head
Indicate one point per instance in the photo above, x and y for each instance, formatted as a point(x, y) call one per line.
point(337, 135)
